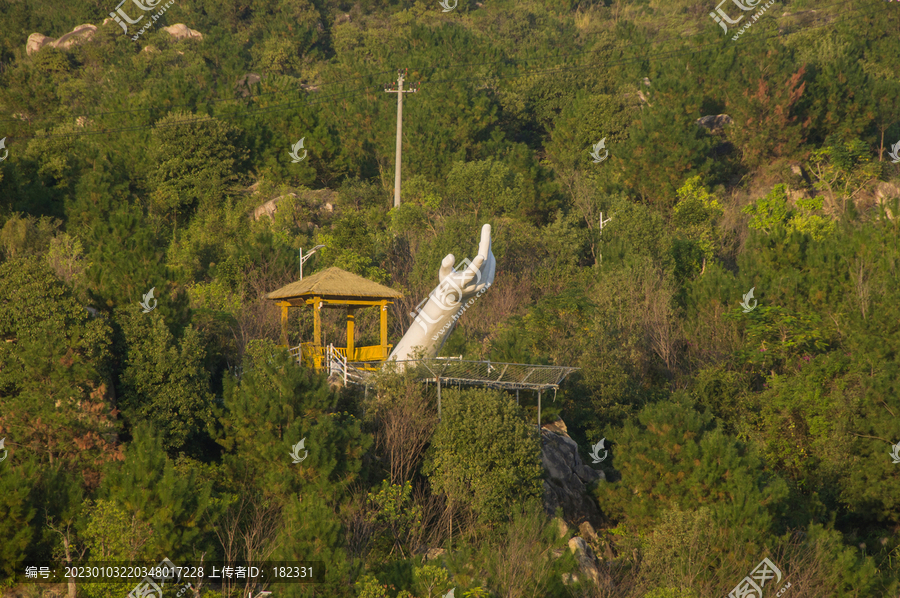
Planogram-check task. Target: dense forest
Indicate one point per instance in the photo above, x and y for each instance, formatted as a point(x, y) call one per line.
point(764, 159)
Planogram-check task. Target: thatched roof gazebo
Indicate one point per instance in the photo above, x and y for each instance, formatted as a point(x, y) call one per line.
point(334, 288)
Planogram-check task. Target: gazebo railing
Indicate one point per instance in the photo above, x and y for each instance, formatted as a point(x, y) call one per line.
point(311, 355)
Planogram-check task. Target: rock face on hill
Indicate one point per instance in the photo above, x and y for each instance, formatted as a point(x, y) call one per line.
point(567, 477)
point(587, 563)
point(566, 486)
point(714, 123)
point(181, 31)
point(314, 200)
point(83, 33)
point(36, 41)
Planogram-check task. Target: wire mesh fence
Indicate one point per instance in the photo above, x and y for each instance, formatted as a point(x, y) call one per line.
point(510, 376)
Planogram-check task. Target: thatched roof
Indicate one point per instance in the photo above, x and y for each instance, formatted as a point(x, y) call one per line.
point(334, 282)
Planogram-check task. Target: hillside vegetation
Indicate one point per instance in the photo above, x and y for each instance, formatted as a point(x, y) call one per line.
point(733, 435)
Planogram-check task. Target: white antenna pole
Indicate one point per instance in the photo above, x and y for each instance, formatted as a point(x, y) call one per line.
point(602, 222)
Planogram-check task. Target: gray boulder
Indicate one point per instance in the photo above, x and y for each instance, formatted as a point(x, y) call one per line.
point(714, 123)
point(246, 82)
point(587, 563)
point(35, 42)
point(567, 477)
point(181, 31)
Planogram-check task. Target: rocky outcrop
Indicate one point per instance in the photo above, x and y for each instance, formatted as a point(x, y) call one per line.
point(587, 561)
point(82, 33)
point(567, 477)
point(714, 123)
point(316, 200)
point(885, 190)
point(270, 207)
point(181, 31)
point(244, 83)
point(35, 42)
point(884, 194)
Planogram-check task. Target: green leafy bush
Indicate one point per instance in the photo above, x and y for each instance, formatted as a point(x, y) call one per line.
point(484, 454)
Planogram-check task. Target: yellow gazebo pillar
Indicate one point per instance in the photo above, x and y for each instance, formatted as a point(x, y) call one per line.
point(317, 332)
point(384, 305)
point(350, 334)
point(317, 321)
point(284, 321)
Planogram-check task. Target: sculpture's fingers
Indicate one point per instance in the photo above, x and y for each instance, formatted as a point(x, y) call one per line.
point(484, 250)
point(474, 267)
point(446, 267)
point(484, 246)
point(476, 270)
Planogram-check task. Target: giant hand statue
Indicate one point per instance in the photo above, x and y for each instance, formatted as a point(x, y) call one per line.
point(438, 314)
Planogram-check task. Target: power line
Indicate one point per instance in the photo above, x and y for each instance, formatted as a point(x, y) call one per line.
point(367, 89)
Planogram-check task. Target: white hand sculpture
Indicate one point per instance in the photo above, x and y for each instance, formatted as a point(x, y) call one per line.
point(456, 291)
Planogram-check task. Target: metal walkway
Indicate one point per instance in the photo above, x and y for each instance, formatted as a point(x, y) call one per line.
point(493, 374)
point(455, 371)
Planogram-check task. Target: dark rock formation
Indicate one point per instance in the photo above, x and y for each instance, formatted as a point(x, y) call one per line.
point(714, 123)
point(567, 477)
point(246, 82)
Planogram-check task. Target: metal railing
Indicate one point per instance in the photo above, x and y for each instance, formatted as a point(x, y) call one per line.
point(337, 363)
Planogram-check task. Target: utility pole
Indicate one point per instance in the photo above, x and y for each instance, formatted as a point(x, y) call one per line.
point(399, 91)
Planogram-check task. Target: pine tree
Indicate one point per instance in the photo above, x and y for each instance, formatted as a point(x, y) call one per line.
point(18, 476)
point(164, 381)
point(677, 456)
point(175, 505)
point(53, 371)
point(274, 406)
